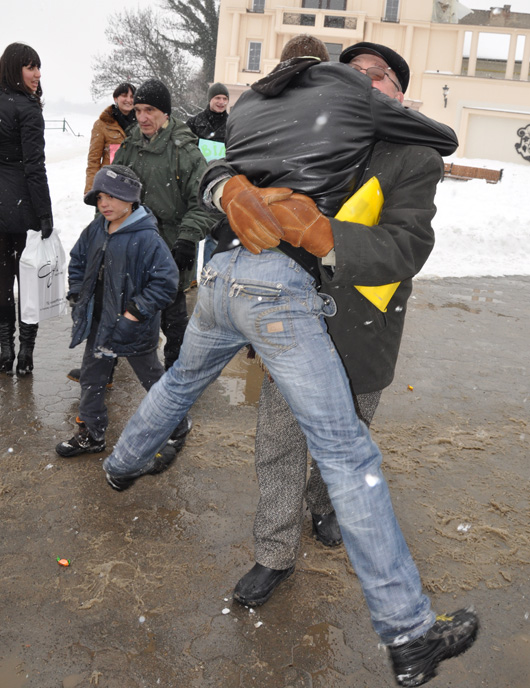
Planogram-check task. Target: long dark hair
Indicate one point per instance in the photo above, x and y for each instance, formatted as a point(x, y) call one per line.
point(16, 56)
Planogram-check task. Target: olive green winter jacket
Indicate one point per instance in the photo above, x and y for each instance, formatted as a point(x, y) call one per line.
point(170, 166)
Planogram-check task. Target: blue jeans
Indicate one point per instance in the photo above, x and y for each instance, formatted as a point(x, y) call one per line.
point(271, 302)
point(210, 244)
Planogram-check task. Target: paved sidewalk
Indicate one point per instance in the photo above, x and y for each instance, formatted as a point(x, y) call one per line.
point(146, 600)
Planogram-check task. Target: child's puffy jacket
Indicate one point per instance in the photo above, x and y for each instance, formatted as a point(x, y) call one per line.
point(138, 267)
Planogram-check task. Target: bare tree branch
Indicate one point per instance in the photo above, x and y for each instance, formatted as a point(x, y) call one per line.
point(195, 24)
point(141, 51)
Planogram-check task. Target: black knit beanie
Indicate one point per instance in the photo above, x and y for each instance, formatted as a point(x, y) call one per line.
point(153, 92)
point(217, 89)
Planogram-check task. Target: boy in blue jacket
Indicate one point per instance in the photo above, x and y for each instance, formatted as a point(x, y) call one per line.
point(121, 275)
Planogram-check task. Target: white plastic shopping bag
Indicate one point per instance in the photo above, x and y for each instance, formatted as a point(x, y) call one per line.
point(42, 278)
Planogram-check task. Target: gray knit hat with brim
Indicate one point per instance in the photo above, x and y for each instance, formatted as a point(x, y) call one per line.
point(117, 181)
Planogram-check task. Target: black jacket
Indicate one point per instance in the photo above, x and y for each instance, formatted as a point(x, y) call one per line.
point(24, 194)
point(209, 125)
point(138, 268)
point(395, 250)
point(311, 127)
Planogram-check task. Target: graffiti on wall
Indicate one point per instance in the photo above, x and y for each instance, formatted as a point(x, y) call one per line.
point(523, 145)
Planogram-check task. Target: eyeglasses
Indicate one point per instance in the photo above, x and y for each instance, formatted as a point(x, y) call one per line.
point(375, 73)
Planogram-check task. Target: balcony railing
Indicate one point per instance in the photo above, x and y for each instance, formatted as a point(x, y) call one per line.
point(299, 19)
point(331, 21)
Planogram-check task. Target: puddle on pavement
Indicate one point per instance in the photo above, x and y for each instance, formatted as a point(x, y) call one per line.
point(12, 673)
point(172, 516)
point(323, 641)
point(241, 380)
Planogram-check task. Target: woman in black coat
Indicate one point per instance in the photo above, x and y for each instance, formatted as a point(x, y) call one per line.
point(24, 195)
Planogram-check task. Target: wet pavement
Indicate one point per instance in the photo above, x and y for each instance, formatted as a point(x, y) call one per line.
point(146, 600)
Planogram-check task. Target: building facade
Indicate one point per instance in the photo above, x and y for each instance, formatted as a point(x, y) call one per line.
point(469, 68)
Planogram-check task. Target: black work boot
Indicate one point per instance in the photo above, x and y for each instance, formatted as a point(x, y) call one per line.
point(162, 461)
point(27, 335)
point(258, 584)
point(7, 344)
point(414, 662)
point(81, 443)
point(178, 437)
point(326, 529)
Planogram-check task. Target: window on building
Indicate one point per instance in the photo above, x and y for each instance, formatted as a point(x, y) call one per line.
point(258, 6)
point(331, 21)
point(254, 56)
point(391, 11)
point(491, 59)
point(334, 50)
point(325, 4)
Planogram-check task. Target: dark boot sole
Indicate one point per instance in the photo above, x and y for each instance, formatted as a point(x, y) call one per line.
point(119, 484)
point(68, 454)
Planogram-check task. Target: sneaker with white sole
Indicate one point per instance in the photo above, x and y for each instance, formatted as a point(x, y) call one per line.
point(81, 443)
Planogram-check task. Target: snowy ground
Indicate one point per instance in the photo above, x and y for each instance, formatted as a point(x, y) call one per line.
point(481, 228)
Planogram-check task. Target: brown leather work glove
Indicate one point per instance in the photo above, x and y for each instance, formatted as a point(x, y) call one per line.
point(248, 209)
point(304, 225)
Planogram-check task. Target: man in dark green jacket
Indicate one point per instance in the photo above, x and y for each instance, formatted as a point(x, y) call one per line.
point(163, 152)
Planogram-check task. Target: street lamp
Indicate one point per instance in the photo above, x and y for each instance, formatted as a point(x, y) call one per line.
point(445, 91)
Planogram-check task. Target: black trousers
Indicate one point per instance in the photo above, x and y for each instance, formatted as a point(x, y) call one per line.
point(11, 247)
point(95, 375)
point(173, 323)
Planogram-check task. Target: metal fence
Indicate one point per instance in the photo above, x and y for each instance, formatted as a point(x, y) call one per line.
point(62, 124)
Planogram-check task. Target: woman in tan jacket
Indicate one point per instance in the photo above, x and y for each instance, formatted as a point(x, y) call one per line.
point(109, 131)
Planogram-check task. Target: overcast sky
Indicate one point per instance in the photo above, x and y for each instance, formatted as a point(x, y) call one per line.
point(68, 36)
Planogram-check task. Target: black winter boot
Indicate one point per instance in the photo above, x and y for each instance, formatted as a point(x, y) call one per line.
point(7, 344)
point(326, 529)
point(27, 335)
point(415, 661)
point(178, 437)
